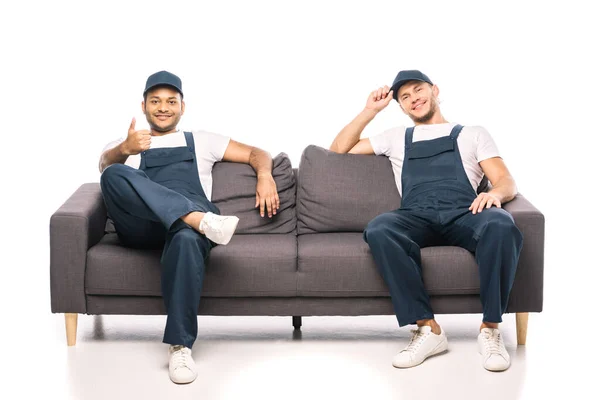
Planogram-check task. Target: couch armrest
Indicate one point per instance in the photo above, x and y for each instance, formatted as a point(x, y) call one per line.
point(75, 227)
point(527, 290)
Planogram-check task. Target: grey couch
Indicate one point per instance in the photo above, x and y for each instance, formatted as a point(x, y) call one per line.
point(309, 260)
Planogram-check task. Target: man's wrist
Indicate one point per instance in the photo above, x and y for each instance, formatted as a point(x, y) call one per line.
point(123, 149)
point(369, 113)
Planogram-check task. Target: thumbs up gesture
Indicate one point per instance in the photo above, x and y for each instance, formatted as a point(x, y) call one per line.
point(137, 141)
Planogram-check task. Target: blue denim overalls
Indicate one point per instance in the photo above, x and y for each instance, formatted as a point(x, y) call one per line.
point(436, 196)
point(145, 205)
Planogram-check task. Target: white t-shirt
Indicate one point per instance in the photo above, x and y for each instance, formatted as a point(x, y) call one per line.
point(210, 148)
point(474, 143)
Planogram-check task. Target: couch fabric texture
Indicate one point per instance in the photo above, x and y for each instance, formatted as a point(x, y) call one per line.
point(309, 259)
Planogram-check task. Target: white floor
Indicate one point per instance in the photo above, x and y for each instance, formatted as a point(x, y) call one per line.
point(122, 357)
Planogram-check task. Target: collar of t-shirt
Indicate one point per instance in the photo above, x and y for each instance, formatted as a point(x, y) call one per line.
point(174, 139)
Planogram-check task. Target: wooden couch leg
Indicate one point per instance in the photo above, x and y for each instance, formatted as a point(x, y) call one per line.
point(522, 319)
point(71, 325)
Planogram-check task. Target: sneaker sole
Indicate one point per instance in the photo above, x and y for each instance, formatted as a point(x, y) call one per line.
point(183, 382)
point(496, 369)
point(439, 349)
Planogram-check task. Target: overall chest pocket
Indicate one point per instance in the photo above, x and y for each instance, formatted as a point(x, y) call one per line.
point(172, 167)
point(164, 157)
point(430, 148)
point(431, 161)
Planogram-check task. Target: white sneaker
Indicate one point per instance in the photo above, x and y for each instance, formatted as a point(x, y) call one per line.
point(182, 368)
point(218, 228)
point(491, 347)
point(423, 344)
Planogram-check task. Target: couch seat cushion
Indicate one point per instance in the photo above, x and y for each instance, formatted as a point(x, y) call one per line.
point(250, 265)
point(341, 265)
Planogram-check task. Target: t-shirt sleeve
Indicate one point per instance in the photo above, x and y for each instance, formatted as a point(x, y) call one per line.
point(112, 144)
point(384, 142)
point(132, 161)
point(214, 144)
point(486, 147)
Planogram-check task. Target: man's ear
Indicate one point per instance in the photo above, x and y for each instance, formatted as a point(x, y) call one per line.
point(436, 90)
point(182, 107)
point(143, 107)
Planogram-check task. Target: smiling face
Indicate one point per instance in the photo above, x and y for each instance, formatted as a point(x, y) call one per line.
point(163, 107)
point(419, 101)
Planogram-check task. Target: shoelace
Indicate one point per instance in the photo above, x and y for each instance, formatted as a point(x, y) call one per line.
point(492, 343)
point(415, 341)
point(179, 358)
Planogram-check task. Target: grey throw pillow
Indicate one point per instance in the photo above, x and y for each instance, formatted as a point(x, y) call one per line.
point(234, 192)
point(343, 192)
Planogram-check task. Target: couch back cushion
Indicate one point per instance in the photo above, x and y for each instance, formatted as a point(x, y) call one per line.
point(343, 192)
point(234, 192)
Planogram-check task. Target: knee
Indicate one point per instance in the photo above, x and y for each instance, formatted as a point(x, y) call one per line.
point(376, 230)
point(380, 234)
point(503, 223)
point(112, 174)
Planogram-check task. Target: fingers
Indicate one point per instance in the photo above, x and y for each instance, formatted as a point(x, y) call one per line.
point(144, 139)
point(132, 125)
point(482, 204)
point(474, 205)
point(269, 207)
point(380, 94)
point(484, 200)
point(389, 97)
point(274, 207)
point(269, 203)
point(146, 143)
point(373, 96)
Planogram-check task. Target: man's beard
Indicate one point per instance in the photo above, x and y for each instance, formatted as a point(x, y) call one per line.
point(427, 117)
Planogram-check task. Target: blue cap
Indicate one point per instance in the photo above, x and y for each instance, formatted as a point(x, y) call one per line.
point(405, 76)
point(163, 78)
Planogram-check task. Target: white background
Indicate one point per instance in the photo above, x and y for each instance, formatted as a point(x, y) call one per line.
point(283, 75)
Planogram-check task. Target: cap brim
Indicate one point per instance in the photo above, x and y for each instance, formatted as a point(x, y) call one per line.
point(398, 84)
point(163, 84)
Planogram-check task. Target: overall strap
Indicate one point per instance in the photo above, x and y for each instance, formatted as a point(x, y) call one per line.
point(189, 139)
point(408, 137)
point(455, 131)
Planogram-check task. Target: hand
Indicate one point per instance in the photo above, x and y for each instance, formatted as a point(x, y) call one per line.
point(137, 141)
point(266, 195)
point(484, 200)
point(379, 99)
